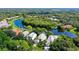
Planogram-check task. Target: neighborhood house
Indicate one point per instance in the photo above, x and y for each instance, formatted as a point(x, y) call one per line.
point(68, 26)
point(25, 33)
point(32, 36)
point(17, 31)
point(4, 23)
point(51, 38)
point(42, 37)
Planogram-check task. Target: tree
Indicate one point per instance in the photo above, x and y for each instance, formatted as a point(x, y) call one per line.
point(12, 45)
point(60, 29)
point(29, 28)
point(77, 29)
point(24, 45)
point(3, 39)
point(63, 44)
point(76, 42)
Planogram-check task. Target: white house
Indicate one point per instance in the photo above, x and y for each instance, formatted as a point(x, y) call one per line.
point(16, 16)
point(4, 23)
point(46, 48)
point(25, 33)
point(12, 17)
point(50, 18)
point(51, 38)
point(42, 37)
point(36, 41)
point(32, 36)
point(8, 18)
point(54, 19)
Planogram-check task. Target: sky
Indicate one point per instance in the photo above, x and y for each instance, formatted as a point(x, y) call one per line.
point(39, 3)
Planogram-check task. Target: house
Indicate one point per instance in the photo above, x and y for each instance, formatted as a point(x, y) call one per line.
point(42, 37)
point(32, 36)
point(17, 31)
point(4, 23)
point(68, 26)
point(53, 19)
point(12, 17)
point(50, 18)
point(8, 18)
point(25, 33)
point(46, 48)
point(36, 41)
point(16, 16)
point(51, 38)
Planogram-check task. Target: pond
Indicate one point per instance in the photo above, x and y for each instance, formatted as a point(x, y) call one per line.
point(69, 34)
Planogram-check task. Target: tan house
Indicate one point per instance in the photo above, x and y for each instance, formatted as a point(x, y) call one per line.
point(68, 26)
point(17, 31)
